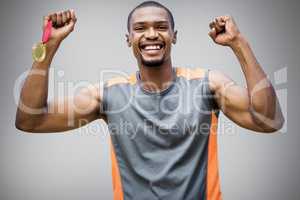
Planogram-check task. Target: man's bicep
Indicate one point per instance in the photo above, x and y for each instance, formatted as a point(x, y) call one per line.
point(233, 100)
point(236, 107)
point(71, 111)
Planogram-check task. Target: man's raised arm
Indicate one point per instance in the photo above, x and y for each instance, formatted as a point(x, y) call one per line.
point(34, 113)
point(255, 107)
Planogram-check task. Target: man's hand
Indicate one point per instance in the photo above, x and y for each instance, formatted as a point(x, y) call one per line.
point(224, 31)
point(62, 25)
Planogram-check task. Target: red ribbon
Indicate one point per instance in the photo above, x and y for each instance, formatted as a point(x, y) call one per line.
point(47, 32)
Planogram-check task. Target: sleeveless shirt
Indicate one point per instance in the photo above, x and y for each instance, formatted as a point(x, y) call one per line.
point(163, 145)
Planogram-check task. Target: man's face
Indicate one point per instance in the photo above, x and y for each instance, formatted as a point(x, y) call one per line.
point(151, 36)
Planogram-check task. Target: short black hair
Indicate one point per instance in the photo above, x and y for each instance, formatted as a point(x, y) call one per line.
point(151, 4)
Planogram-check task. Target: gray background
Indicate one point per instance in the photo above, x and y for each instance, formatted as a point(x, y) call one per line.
point(76, 164)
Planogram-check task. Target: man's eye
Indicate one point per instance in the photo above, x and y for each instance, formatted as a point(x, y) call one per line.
point(162, 27)
point(138, 28)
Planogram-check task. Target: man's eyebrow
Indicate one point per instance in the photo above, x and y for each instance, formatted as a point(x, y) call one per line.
point(138, 23)
point(162, 22)
point(156, 22)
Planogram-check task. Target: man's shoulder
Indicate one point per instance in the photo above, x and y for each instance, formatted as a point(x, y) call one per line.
point(121, 79)
point(190, 73)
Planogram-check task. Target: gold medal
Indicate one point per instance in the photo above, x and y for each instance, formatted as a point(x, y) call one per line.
point(39, 52)
point(39, 49)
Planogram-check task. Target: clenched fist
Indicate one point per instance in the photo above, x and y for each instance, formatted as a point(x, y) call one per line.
point(224, 30)
point(62, 24)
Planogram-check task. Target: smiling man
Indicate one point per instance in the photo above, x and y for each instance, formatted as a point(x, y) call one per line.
point(162, 119)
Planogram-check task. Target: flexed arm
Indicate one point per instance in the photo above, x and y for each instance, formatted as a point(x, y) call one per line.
point(34, 113)
point(255, 107)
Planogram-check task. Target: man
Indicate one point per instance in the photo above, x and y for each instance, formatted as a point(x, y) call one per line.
point(162, 119)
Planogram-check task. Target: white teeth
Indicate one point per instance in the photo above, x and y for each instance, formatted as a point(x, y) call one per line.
point(152, 47)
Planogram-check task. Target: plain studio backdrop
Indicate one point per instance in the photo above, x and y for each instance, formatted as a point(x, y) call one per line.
point(76, 164)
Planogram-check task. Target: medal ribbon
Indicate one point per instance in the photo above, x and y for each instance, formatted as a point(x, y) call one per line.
point(47, 32)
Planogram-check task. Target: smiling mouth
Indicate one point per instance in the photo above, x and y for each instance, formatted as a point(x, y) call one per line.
point(153, 47)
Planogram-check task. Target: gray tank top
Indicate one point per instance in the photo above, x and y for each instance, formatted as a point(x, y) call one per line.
point(163, 145)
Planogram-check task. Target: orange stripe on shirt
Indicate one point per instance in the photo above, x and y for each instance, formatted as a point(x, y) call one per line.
point(116, 178)
point(213, 190)
point(190, 73)
point(122, 80)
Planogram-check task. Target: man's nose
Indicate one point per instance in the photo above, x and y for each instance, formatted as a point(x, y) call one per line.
point(151, 33)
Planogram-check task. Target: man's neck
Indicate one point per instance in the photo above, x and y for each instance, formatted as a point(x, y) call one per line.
point(158, 78)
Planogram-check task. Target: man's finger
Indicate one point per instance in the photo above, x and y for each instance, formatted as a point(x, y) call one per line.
point(64, 18)
point(68, 15)
point(225, 18)
point(220, 21)
point(219, 27)
point(53, 18)
point(211, 25)
point(213, 33)
point(73, 16)
point(59, 19)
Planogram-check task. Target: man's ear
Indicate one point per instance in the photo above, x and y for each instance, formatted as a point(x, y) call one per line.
point(174, 40)
point(128, 40)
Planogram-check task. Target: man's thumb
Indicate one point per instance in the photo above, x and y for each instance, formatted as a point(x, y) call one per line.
point(69, 27)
